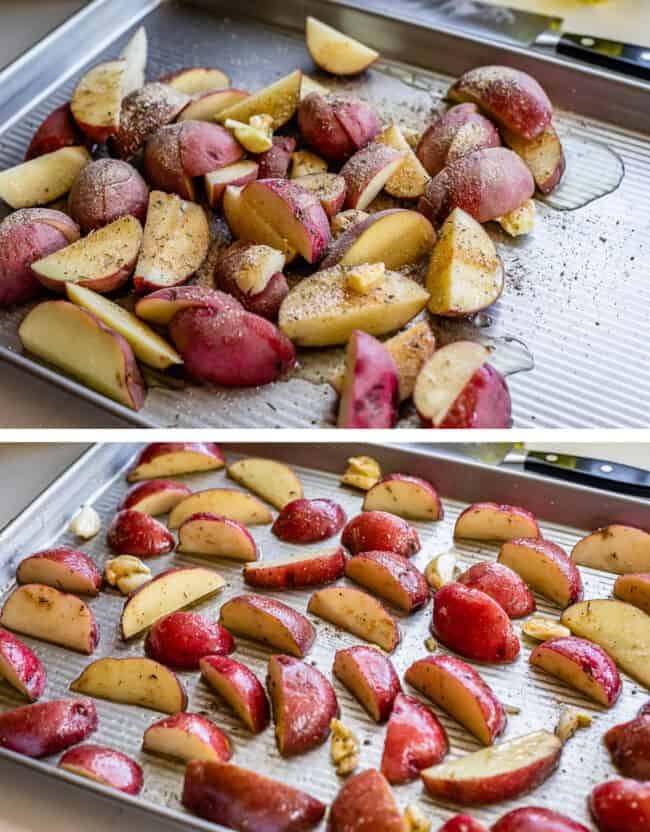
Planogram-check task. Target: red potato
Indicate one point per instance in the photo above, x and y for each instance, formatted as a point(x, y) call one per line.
point(231, 347)
point(367, 172)
point(293, 212)
point(205, 106)
point(308, 521)
point(414, 740)
point(226, 502)
point(412, 498)
point(96, 100)
point(177, 153)
point(238, 173)
point(501, 583)
point(543, 156)
point(143, 112)
point(245, 800)
point(170, 459)
point(278, 100)
point(239, 688)
point(472, 623)
point(336, 127)
point(494, 521)
point(21, 668)
point(336, 52)
point(274, 162)
point(196, 79)
point(500, 772)
point(462, 823)
point(106, 190)
point(46, 728)
point(304, 704)
point(269, 621)
point(63, 568)
point(457, 388)
point(135, 54)
point(621, 806)
point(328, 187)
point(511, 97)
point(582, 665)
point(135, 533)
point(187, 737)
point(614, 548)
point(635, 589)
point(365, 803)
point(380, 531)
point(104, 765)
point(58, 130)
point(457, 688)
point(252, 274)
point(247, 223)
point(271, 480)
point(296, 572)
point(208, 534)
point(629, 747)
point(51, 615)
point(155, 497)
point(181, 639)
point(370, 677)
point(357, 613)
point(392, 577)
point(545, 567)
point(44, 179)
point(27, 236)
point(457, 132)
point(159, 307)
point(536, 819)
point(486, 184)
point(370, 388)
point(65, 334)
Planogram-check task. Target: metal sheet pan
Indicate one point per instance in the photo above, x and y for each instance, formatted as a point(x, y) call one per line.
point(577, 294)
point(563, 509)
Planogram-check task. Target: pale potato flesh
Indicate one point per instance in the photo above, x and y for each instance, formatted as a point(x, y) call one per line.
point(173, 463)
point(51, 615)
point(616, 548)
point(309, 85)
point(167, 593)
point(133, 681)
point(97, 99)
point(247, 224)
point(135, 55)
point(623, 631)
point(175, 241)
point(322, 310)
point(199, 79)
point(100, 254)
point(444, 377)
point(358, 613)
point(572, 673)
point(178, 743)
point(272, 481)
point(410, 180)
point(216, 538)
point(395, 239)
point(465, 272)
point(147, 345)
point(278, 100)
point(251, 622)
point(257, 267)
point(207, 107)
point(495, 523)
point(335, 52)
point(43, 179)
point(234, 505)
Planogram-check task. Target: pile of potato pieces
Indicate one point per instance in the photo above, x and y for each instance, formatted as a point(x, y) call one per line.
point(201, 144)
point(602, 634)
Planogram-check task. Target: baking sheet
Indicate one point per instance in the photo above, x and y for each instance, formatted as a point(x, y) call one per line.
point(576, 298)
point(99, 478)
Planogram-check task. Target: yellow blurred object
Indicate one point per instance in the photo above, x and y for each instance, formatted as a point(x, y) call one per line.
point(362, 472)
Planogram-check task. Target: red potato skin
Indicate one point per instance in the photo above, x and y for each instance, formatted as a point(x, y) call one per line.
point(486, 184)
point(502, 584)
point(493, 712)
point(379, 674)
point(336, 127)
point(419, 483)
point(415, 739)
point(135, 533)
point(304, 704)
point(370, 398)
point(484, 403)
point(106, 190)
point(265, 303)
point(73, 559)
point(629, 747)
point(462, 823)
point(559, 557)
point(308, 521)
point(472, 623)
point(295, 622)
point(154, 450)
point(197, 726)
point(521, 512)
point(142, 491)
point(111, 767)
point(380, 531)
point(274, 162)
point(248, 687)
point(58, 130)
point(434, 147)
point(358, 119)
point(509, 96)
point(46, 728)
point(302, 573)
point(621, 806)
point(231, 347)
point(205, 519)
point(536, 819)
point(181, 639)
point(177, 298)
point(359, 169)
point(26, 664)
point(365, 803)
point(400, 569)
point(244, 800)
point(205, 147)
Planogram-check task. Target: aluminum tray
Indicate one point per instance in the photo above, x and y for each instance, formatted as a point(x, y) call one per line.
point(577, 293)
point(99, 477)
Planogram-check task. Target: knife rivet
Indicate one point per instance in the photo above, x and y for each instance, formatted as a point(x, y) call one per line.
point(606, 469)
point(645, 56)
point(587, 41)
point(551, 457)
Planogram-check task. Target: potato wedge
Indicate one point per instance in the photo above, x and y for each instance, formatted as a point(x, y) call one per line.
point(234, 505)
point(335, 52)
point(358, 613)
point(615, 548)
point(97, 99)
point(410, 179)
point(43, 179)
point(269, 621)
point(272, 481)
point(279, 100)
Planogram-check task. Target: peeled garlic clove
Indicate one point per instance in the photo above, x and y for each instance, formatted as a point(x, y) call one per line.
point(86, 523)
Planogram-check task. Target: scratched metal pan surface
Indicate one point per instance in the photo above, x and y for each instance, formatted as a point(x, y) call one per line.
point(572, 321)
point(564, 510)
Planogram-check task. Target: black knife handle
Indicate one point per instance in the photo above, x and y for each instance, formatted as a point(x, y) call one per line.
point(621, 57)
point(610, 476)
